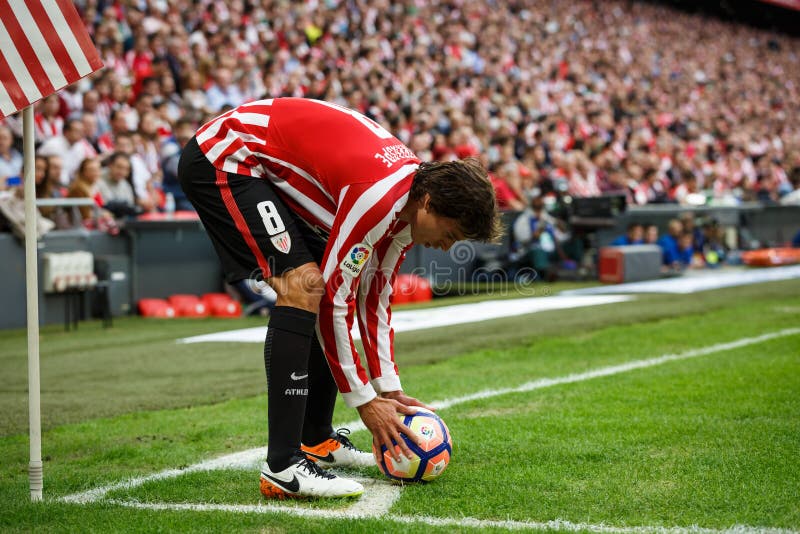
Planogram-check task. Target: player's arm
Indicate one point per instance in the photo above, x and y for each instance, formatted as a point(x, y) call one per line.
point(374, 320)
point(365, 212)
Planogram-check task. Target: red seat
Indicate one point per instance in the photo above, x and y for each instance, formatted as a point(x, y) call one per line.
point(423, 292)
point(401, 289)
point(411, 288)
point(188, 306)
point(159, 308)
point(770, 257)
point(221, 305)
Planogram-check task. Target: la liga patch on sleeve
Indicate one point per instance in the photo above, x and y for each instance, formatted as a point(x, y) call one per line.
point(355, 259)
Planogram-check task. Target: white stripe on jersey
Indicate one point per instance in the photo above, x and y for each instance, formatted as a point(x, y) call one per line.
point(233, 161)
point(211, 128)
point(323, 215)
point(342, 194)
point(367, 199)
point(298, 171)
point(388, 265)
point(220, 147)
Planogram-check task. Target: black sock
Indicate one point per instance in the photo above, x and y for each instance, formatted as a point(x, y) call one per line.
point(286, 352)
point(322, 392)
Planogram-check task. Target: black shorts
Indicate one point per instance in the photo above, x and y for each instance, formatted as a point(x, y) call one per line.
point(253, 232)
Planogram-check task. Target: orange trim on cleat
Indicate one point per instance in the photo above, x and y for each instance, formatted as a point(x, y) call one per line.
point(321, 451)
point(271, 491)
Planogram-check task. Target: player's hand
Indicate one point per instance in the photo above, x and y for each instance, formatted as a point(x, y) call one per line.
point(402, 398)
point(380, 417)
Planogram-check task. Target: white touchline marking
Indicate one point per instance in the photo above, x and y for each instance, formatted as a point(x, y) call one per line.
point(425, 318)
point(696, 281)
point(370, 506)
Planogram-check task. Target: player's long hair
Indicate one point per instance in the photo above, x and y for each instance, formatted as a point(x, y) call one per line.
point(461, 190)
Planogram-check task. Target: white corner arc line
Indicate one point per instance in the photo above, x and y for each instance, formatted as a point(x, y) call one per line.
point(252, 457)
point(460, 522)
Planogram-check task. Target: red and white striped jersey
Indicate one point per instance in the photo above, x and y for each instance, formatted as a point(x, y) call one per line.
point(346, 175)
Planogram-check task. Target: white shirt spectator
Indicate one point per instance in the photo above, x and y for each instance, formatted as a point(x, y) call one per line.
point(11, 165)
point(219, 97)
point(10, 158)
point(71, 154)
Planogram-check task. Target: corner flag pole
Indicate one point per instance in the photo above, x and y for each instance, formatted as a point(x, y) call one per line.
point(35, 475)
point(32, 68)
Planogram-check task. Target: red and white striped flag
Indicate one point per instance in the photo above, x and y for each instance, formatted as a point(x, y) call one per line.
point(44, 46)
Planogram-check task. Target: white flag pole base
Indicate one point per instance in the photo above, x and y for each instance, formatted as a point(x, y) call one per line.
point(36, 480)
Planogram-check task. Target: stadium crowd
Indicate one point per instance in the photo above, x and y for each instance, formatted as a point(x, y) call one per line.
point(577, 98)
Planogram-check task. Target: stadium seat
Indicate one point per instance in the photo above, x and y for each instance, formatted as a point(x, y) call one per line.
point(401, 289)
point(423, 292)
point(188, 306)
point(221, 305)
point(158, 308)
point(411, 288)
point(770, 257)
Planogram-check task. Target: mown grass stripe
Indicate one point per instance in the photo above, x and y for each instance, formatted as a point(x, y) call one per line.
point(616, 369)
point(248, 458)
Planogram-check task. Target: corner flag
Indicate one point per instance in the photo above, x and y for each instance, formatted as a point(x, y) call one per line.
point(44, 46)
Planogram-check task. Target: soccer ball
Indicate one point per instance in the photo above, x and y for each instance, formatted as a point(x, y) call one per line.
point(429, 460)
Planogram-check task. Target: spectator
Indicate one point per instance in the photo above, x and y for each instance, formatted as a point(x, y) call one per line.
point(55, 167)
point(256, 296)
point(93, 107)
point(507, 197)
point(686, 252)
point(690, 227)
point(687, 192)
point(48, 122)
point(45, 186)
point(558, 85)
point(184, 131)
point(118, 125)
point(650, 234)
point(85, 185)
point(10, 158)
point(72, 146)
point(115, 187)
point(535, 240)
point(792, 198)
point(141, 179)
point(43, 189)
point(670, 245)
point(714, 251)
point(194, 96)
point(633, 236)
point(223, 92)
point(148, 144)
point(90, 130)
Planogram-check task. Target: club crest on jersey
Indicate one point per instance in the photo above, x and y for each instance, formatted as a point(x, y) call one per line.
point(282, 241)
point(356, 259)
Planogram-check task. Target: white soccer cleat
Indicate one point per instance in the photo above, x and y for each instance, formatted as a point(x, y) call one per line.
point(338, 451)
point(305, 479)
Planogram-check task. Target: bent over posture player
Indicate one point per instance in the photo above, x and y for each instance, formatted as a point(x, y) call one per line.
point(325, 202)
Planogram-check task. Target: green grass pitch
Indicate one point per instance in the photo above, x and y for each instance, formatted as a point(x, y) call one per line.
point(708, 442)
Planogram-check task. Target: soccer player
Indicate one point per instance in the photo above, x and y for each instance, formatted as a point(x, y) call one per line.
point(325, 202)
